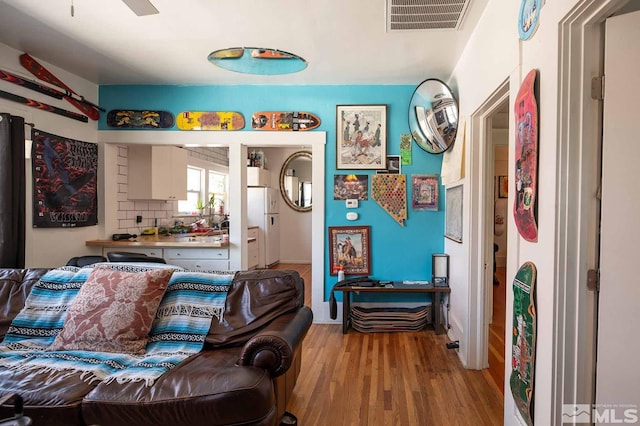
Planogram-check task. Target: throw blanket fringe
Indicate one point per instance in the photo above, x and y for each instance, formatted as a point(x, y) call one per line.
point(179, 329)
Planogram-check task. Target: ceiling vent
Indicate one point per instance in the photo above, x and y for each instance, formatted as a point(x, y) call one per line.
point(411, 15)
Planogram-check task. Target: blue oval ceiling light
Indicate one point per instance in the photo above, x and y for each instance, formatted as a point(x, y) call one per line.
point(257, 60)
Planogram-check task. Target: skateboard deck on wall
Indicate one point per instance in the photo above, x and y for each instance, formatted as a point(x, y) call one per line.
point(140, 119)
point(283, 121)
point(523, 348)
point(210, 120)
point(526, 113)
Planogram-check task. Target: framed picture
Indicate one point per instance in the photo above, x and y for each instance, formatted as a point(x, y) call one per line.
point(503, 186)
point(351, 187)
point(361, 141)
point(453, 220)
point(424, 191)
point(349, 247)
point(393, 166)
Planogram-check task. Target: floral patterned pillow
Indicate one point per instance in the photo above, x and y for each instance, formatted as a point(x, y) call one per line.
point(113, 311)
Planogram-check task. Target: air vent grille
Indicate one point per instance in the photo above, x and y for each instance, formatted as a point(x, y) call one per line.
point(405, 15)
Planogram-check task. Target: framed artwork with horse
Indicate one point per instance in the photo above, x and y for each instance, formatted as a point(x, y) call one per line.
point(349, 248)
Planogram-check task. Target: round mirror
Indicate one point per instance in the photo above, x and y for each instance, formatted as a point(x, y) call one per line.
point(295, 181)
point(433, 116)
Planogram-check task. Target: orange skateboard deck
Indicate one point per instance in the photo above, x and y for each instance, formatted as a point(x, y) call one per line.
point(284, 121)
point(210, 120)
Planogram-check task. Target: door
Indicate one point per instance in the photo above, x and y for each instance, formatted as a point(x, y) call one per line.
point(617, 369)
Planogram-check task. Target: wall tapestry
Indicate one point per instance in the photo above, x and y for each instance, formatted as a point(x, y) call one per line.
point(64, 181)
point(424, 192)
point(523, 346)
point(526, 151)
point(390, 192)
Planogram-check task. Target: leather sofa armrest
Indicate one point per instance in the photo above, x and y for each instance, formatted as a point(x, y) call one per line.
point(274, 346)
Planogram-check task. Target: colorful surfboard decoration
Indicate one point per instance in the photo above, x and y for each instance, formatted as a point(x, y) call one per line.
point(528, 18)
point(526, 156)
point(523, 344)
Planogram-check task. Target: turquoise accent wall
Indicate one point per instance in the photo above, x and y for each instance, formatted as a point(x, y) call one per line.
point(397, 252)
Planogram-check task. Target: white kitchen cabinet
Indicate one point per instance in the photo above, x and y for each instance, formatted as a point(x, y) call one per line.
point(257, 176)
point(253, 247)
point(200, 259)
point(153, 252)
point(157, 173)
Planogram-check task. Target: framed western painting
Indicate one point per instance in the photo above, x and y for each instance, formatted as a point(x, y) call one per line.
point(361, 137)
point(349, 247)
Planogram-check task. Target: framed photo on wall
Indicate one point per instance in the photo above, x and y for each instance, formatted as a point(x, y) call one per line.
point(361, 137)
point(503, 186)
point(424, 192)
point(349, 246)
point(453, 220)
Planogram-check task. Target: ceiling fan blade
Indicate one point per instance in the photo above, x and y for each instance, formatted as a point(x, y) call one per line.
point(141, 7)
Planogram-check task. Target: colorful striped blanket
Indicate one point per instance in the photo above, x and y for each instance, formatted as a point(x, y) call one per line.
point(178, 331)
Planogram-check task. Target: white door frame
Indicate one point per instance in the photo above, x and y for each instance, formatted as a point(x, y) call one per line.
point(578, 171)
point(481, 229)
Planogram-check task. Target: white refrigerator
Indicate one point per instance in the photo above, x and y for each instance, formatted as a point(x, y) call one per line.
point(262, 211)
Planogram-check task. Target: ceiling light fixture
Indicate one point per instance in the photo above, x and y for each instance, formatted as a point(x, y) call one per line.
point(141, 7)
point(257, 60)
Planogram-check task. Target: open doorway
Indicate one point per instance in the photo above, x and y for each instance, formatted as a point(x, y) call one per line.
point(498, 145)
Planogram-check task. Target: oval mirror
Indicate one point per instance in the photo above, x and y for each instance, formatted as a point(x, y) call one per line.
point(295, 181)
point(433, 116)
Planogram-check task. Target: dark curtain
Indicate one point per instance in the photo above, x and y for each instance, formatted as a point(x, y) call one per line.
point(12, 191)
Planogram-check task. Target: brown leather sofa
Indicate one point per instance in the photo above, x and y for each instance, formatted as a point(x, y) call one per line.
point(243, 376)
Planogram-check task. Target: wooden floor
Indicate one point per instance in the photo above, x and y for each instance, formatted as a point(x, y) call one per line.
point(495, 372)
point(387, 379)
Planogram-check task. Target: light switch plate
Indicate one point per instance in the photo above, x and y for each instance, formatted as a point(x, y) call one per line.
point(352, 216)
point(352, 204)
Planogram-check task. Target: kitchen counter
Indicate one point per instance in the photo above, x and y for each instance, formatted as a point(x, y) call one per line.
point(181, 240)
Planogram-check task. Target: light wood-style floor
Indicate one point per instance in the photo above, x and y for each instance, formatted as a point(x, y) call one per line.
point(387, 379)
point(495, 372)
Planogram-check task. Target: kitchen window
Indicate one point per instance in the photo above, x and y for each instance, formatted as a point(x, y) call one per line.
point(205, 180)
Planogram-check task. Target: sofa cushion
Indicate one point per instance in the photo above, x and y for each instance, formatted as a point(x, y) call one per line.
point(207, 389)
point(15, 285)
point(253, 300)
point(113, 311)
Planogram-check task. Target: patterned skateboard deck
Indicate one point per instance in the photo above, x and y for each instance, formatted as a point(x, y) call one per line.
point(284, 121)
point(140, 119)
point(523, 349)
point(524, 205)
point(210, 120)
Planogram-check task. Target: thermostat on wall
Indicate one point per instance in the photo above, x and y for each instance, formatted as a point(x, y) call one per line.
point(352, 204)
point(352, 216)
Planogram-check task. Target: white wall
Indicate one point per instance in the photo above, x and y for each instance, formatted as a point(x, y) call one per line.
point(52, 246)
point(494, 55)
point(295, 227)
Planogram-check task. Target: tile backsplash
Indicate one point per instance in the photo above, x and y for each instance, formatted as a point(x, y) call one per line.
point(128, 210)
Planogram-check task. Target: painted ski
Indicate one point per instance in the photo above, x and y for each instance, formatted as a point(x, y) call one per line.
point(45, 75)
point(16, 79)
point(43, 106)
point(34, 85)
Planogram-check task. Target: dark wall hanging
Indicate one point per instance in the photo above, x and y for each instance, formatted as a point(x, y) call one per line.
point(64, 181)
